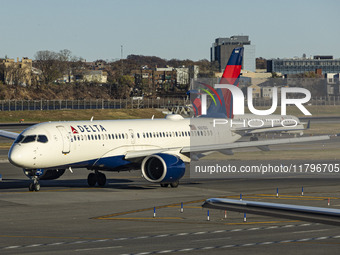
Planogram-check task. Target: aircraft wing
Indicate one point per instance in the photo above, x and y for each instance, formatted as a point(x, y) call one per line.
point(143, 153)
point(259, 144)
point(10, 135)
point(297, 212)
point(266, 129)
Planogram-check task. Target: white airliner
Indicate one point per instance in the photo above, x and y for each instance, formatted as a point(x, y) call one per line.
point(159, 147)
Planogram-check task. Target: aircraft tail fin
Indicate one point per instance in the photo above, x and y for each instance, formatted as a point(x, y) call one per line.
point(231, 76)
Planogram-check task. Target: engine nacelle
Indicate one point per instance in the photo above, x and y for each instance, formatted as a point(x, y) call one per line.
point(44, 174)
point(163, 168)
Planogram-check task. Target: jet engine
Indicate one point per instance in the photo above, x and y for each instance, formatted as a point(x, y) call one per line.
point(163, 168)
point(44, 174)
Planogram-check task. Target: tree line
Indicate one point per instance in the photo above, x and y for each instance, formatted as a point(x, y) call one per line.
point(50, 66)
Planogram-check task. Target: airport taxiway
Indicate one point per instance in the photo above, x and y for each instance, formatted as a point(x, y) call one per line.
point(68, 217)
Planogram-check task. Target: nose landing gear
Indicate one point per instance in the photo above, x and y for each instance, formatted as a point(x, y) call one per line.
point(96, 177)
point(34, 175)
point(34, 186)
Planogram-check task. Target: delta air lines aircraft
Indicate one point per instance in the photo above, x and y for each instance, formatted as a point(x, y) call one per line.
point(159, 147)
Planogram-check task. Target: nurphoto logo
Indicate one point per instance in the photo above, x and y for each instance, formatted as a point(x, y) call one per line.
point(238, 100)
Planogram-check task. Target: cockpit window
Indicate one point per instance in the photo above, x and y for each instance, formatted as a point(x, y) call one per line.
point(19, 139)
point(42, 139)
point(29, 139)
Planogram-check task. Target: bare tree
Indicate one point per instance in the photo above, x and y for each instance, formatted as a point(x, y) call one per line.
point(48, 63)
point(54, 65)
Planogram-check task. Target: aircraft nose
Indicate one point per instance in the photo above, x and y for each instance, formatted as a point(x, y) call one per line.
point(16, 156)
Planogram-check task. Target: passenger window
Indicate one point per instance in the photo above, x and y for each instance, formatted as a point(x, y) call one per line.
point(29, 139)
point(42, 139)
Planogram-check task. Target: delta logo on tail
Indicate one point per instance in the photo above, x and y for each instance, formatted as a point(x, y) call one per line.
point(222, 98)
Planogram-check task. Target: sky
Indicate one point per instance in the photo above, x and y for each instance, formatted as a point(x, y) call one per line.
point(181, 29)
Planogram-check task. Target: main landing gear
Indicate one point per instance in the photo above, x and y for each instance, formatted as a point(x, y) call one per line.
point(96, 177)
point(172, 184)
point(34, 186)
point(254, 138)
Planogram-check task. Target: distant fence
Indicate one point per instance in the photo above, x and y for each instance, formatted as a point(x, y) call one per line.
point(33, 105)
point(162, 103)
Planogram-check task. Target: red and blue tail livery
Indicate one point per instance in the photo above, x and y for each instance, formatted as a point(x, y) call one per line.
point(231, 76)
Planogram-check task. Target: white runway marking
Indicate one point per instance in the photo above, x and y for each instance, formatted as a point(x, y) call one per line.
point(100, 248)
point(310, 231)
point(211, 239)
point(173, 235)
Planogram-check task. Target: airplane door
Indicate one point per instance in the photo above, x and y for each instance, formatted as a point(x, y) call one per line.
point(66, 139)
point(132, 135)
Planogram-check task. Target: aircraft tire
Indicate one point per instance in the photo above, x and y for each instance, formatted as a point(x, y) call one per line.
point(31, 187)
point(164, 185)
point(174, 184)
point(101, 179)
point(37, 187)
point(91, 179)
point(254, 138)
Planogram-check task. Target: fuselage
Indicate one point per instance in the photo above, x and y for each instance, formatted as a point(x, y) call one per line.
point(103, 144)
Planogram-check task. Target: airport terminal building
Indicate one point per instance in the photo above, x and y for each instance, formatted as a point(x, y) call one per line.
point(295, 66)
